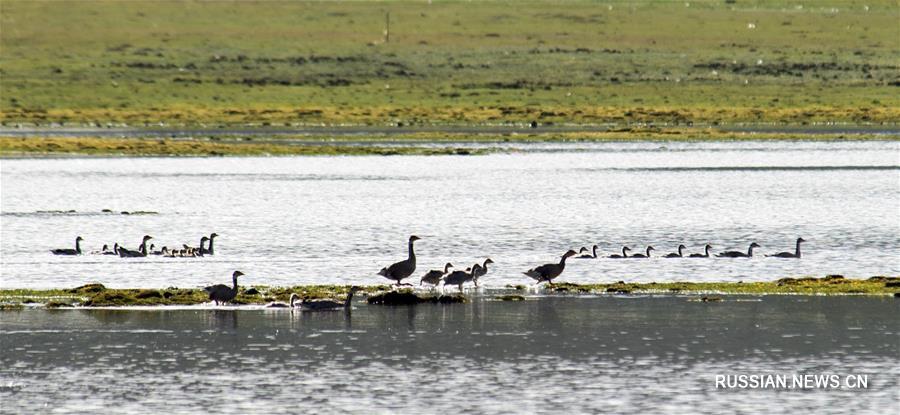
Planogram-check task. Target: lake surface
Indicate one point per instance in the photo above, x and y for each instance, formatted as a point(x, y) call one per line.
point(323, 220)
point(579, 354)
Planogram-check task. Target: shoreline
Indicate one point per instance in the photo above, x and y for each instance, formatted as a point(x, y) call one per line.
point(97, 295)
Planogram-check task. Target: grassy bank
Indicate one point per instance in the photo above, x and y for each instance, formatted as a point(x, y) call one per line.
point(96, 295)
point(146, 63)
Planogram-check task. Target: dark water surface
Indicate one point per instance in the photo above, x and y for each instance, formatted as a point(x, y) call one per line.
point(546, 354)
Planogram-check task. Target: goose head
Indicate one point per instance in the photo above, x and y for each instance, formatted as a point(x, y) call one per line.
point(650, 248)
point(626, 248)
point(204, 239)
point(237, 274)
point(105, 247)
point(213, 235)
point(682, 247)
point(489, 261)
point(414, 238)
point(754, 245)
point(800, 240)
point(582, 250)
point(79, 239)
point(383, 272)
point(569, 253)
point(147, 238)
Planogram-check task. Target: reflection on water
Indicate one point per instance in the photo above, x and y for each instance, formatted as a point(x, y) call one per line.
point(584, 354)
point(313, 220)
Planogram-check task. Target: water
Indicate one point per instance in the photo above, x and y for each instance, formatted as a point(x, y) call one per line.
point(312, 220)
point(547, 354)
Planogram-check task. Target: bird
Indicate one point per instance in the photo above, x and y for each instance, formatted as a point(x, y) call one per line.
point(164, 251)
point(738, 254)
point(434, 276)
point(703, 255)
point(67, 251)
point(102, 251)
point(788, 254)
point(625, 250)
point(588, 256)
point(548, 272)
point(459, 278)
point(327, 305)
point(676, 255)
point(223, 293)
point(649, 248)
point(279, 304)
point(141, 252)
point(399, 270)
point(479, 271)
point(208, 251)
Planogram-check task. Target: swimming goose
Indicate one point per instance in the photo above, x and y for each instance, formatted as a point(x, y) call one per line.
point(399, 270)
point(481, 270)
point(739, 254)
point(209, 251)
point(102, 251)
point(649, 248)
point(674, 255)
point(66, 251)
point(223, 293)
point(327, 305)
point(788, 254)
point(459, 278)
point(625, 250)
point(588, 256)
point(141, 252)
point(434, 276)
point(548, 272)
point(704, 255)
point(279, 304)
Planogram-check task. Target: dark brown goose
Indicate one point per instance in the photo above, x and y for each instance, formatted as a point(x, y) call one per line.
point(115, 250)
point(141, 252)
point(625, 250)
point(479, 271)
point(647, 255)
point(211, 249)
point(703, 255)
point(329, 305)
point(679, 254)
point(795, 254)
point(458, 278)
point(588, 256)
point(67, 251)
point(548, 272)
point(221, 293)
point(738, 254)
point(434, 276)
point(402, 269)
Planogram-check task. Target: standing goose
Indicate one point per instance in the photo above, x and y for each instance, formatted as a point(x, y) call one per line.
point(796, 254)
point(548, 272)
point(141, 252)
point(649, 248)
point(279, 304)
point(739, 254)
point(399, 270)
point(434, 276)
point(704, 255)
point(481, 271)
point(625, 250)
point(459, 278)
point(223, 293)
point(676, 255)
point(327, 305)
point(66, 251)
point(588, 256)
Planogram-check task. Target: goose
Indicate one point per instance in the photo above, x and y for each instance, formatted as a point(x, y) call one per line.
point(481, 271)
point(162, 251)
point(279, 304)
point(66, 251)
point(203, 250)
point(788, 254)
point(548, 272)
point(676, 255)
point(625, 250)
point(102, 251)
point(327, 305)
point(221, 292)
point(588, 256)
point(141, 252)
point(459, 278)
point(210, 239)
point(115, 250)
point(434, 276)
point(649, 248)
point(704, 255)
point(399, 270)
point(739, 254)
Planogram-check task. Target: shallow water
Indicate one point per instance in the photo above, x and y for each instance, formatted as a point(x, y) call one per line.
point(311, 220)
point(547, 354)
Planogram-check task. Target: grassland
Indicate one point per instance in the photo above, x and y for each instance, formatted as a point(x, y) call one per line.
point(96, 295)
point(211, 64)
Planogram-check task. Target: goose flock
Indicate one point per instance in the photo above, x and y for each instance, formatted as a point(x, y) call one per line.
point(143, 250)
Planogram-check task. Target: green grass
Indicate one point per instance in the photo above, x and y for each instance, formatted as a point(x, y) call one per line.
point(310, 63)
point(96, 295)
